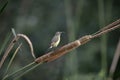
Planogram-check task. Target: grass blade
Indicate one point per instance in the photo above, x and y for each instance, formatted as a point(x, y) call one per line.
point(9, 64)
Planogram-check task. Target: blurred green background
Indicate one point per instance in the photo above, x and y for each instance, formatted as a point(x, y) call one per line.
point(41, 19)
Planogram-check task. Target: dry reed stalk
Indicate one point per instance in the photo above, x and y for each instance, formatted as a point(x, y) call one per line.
point(63, 50)
point(115, 60)
point(15, 39)
point(70, 46)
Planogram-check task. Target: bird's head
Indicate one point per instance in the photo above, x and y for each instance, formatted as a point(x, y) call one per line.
point(59, 33)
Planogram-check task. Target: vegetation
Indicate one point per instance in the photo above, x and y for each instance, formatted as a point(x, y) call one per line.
point(39, 20)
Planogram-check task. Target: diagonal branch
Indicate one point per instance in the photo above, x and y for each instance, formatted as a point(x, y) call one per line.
point(115, 60)
point(50, 56)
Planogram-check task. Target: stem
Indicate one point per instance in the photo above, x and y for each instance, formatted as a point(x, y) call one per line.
point(115, 61)
point(9, 75)
point(9, 64)
point(5, 42)
point(103, 40)
point(27, 71)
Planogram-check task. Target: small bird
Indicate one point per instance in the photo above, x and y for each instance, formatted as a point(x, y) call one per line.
point(55, 40)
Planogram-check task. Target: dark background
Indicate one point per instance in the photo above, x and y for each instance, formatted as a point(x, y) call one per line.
point(41, 19)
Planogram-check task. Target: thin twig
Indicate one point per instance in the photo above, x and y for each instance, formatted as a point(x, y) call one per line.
point(15, 34)
point(5, 42)
point(8, 51)
point(25, 72)
point(117, 22)
point(23, 68)
point(115, 60)
point(99, 33)
point(9, 64)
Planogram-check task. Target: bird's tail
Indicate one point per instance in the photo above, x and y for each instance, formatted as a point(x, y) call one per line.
point(49, 49)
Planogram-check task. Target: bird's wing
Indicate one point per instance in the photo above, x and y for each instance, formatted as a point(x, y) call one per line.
point(55, 39)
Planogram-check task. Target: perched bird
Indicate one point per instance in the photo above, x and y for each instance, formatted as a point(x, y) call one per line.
point(55, 40)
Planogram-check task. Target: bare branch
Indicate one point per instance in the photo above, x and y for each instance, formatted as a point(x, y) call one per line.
point(107, 29)
point(115, 60)
point(70, 46)
point(63, 50)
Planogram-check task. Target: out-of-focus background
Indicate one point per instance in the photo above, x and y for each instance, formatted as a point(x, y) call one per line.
point(41, 19)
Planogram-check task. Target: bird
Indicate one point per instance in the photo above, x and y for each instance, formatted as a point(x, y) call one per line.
point(55, 40)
